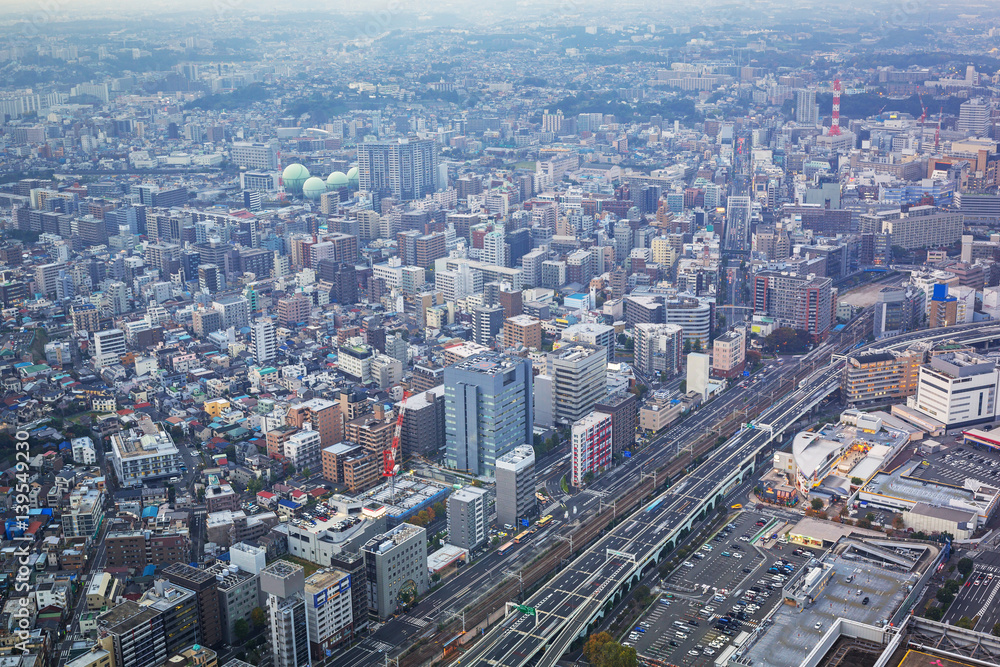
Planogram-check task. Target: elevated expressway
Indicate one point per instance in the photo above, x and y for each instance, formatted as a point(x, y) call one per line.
point(579, 593)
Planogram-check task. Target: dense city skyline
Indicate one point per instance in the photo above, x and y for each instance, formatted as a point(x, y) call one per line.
point(515, 334)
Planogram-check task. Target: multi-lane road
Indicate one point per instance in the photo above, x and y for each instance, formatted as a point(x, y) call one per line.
point(570, 600)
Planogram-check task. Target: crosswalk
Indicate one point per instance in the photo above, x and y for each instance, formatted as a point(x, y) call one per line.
point(415, 622)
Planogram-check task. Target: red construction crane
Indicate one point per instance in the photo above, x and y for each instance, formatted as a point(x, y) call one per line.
point(835, 121)
point(390, 467)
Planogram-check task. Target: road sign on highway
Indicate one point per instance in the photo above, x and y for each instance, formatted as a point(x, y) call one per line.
point(746, 374)
point(530, 611)
point(524, 522)
point(627, 454)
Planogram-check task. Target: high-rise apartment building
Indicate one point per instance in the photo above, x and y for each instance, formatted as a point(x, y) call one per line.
point(659, 348)
point(322, 415)
point(897, 310)
point(802, 302)
point(591, 442)
point(487, 321)
point(329, 612)
point(401, 168)
point(624, 410)
point(580, 380)
point(729, 354)
point(235, 311)
point(515, 488)
point(522, 331)
point(806, 109)
point(974, 117)
point(488, 410)
point(294, 310)
point(284, 584)
point(591, 333)
point(468, 526)
point(203, 584)
point(263, 341)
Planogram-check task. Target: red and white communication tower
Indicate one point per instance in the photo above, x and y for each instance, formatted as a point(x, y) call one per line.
point(835, 121)
point(390, 468)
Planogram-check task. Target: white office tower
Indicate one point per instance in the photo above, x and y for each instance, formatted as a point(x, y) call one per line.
point(974, 117)
point(263, 340)
point(957, 389)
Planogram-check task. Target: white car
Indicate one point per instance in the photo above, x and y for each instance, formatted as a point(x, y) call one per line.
point(737, 554)
point(688, 563)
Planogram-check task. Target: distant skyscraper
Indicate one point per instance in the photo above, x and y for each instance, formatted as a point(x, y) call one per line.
point(974, 117)
point(402, 168)
point(488, 410)
point(806, 109)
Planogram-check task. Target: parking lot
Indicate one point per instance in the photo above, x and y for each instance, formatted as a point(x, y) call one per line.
point(719, 595)
point(953, 466)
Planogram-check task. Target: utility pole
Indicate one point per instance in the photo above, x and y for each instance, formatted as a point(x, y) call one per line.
point(520, 581)
point(567, 538)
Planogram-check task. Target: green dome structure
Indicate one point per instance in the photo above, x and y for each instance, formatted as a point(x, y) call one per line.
point(336, 180)
point(313, 188)
point(293, 177)
point(352, 177)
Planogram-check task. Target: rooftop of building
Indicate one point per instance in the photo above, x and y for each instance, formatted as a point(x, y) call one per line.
point(410, 493)
point(314, 404)
point(283, 569)
point(148, 439)
point(793, 632)
point(488, 363)
point(125, 616)
point(323, 579)
point(396, 536)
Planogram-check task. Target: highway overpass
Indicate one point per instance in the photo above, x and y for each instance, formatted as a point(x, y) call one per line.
point(579, 594)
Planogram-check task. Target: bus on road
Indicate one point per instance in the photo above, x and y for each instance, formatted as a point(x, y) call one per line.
point(504, 548)
point(521, 536)
point(545, 519)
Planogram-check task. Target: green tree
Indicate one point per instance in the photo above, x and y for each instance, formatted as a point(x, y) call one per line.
point(595, 645)
point(935, 614)
point(816, 504)
point(306, 471)
point(965, 566)
point(241, 629)
point(965, 622)
point(857, 481)
point(996, 630)
point(258, 618)
point(687, 346)
point(944, 597)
